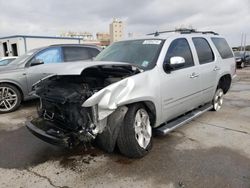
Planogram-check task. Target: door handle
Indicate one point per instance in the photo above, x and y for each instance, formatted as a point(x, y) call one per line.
point(194, 75)
point(216, 68)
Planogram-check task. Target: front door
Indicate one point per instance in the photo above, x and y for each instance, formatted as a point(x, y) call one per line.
point(50, 55)
point(180, 89)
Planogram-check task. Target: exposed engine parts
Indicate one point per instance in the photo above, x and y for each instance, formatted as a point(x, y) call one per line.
point(61, 99)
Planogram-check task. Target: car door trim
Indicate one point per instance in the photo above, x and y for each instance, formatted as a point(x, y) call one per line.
point(189, 95)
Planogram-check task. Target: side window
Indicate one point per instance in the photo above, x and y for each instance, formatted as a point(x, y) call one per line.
point(223, 47)
point(203, 49)
point(181, 48)
point(75, 53)
point(51, 55)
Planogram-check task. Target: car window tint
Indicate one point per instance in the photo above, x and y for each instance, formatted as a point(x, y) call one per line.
point(51, 55)
point(142, 53)
point(203, 49)
point(76, 53)
point(223, 47)
point(181, 48)
point(93, 52)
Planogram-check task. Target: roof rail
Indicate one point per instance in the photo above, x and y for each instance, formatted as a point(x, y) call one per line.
point(182, 31)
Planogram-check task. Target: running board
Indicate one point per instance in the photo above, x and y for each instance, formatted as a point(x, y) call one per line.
point(170, 126)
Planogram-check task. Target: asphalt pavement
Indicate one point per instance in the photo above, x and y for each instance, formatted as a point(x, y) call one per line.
point(211, 151)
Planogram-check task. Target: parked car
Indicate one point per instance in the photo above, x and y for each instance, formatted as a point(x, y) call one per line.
point(134, 87)
point(242, 58)
point(17, 78)
point(6, 60)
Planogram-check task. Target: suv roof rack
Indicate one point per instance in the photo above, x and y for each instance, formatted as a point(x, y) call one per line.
point(182, 31)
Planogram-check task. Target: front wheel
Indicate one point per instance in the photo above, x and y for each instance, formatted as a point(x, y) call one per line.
point(135, 136)
point(218, 99)
point(10, 98)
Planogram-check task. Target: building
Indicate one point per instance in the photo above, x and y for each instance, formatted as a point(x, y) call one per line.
point(82, 35)
point(116, 30)
point(86, 37)
point(19, 44)
point(104, 38)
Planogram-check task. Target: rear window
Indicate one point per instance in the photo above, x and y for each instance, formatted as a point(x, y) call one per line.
point(94, 52)
point(76, 53)
point(223, 47)
point(203, 49)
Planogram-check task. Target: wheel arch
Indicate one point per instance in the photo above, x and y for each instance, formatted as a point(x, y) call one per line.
point(151, 109)
point(15, 85)
point(225, 82)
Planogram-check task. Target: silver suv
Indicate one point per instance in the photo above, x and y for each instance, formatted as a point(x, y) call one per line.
point(134, 87)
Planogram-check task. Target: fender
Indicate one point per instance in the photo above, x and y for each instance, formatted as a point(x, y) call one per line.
point(107, 139)
point(18, 85)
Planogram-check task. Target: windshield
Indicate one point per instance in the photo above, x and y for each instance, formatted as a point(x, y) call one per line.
point(24, 57)
point(5, 61)
point(142, 53)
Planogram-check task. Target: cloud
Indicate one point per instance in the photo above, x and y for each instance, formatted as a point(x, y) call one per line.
point(46, 17)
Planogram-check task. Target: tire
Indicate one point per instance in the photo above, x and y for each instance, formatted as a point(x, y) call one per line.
point(135, 136)
point(218, 99)
point(242, 64)
point(10, 98)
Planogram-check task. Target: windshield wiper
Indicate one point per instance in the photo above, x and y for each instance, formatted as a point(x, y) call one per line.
point(129, 67)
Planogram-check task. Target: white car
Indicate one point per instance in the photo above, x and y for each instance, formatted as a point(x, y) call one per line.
point(6, 60)
point(156, 83)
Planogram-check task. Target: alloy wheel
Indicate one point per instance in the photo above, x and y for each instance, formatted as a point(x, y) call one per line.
point(143, 129)
point(8, 99)
point(218, 100)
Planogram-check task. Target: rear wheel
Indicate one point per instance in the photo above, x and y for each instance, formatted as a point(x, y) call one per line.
point(242, 64)
point(218, 99)
point(135, 136)
point(10, 98)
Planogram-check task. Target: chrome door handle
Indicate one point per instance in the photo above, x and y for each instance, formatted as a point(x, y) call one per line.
point(216, 68)
point(194, 75)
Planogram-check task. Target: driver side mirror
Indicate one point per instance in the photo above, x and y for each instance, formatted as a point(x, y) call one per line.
point(175, 63)
point(36, 62)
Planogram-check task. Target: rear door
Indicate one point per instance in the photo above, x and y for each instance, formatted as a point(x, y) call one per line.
point(180, 89)
point(208, 66)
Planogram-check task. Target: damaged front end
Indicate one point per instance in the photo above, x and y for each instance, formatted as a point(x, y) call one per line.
point(63, 119)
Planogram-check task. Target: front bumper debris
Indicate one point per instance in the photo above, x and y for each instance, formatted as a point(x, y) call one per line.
point(50, 134)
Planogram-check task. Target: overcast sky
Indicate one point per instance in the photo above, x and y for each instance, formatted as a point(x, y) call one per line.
point(52, 17)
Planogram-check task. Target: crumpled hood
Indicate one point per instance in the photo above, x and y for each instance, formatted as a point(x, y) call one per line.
point(71, 68)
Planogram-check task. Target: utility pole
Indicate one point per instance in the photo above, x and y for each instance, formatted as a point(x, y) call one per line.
point(241, 42)
point(245, 42)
